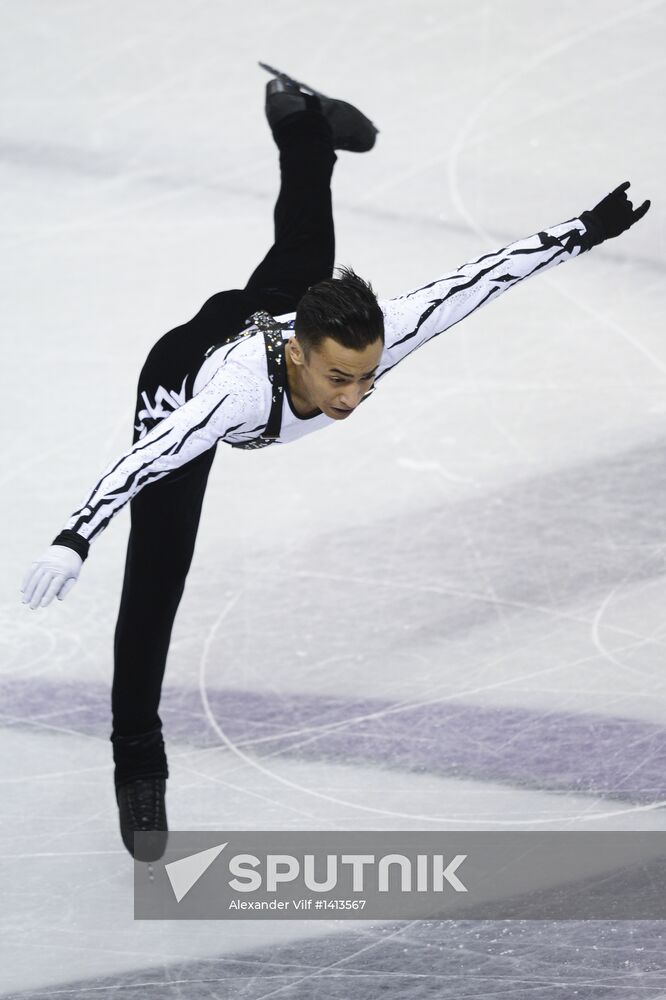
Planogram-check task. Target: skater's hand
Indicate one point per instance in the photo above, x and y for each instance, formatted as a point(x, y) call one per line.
point(52, 575)
point(612, 216)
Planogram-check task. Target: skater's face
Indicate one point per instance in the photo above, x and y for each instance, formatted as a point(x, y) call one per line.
point(333, 378)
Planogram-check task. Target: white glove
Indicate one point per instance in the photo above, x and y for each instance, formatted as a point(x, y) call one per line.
point(54, 573)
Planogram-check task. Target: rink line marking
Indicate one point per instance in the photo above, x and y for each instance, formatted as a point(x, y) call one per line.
point(597, 622)
point(319, 730)
point(607, 321)
point(242, 789)
point(640, 640)
point(461, 142)
point(500, 88)
point(556, 106)
point(592, 803)
point(430, 701)
point(560, 616)
point(597, 641)
point(334, 800)
point(208, 712)
point(398, 708)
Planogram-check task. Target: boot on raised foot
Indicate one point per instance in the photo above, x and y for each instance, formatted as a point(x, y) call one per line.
point(352, 131)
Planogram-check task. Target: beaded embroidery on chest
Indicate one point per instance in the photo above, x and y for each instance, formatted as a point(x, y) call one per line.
point(274, 344)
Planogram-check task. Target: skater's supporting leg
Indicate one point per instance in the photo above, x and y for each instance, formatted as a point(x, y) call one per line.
point(165, 517)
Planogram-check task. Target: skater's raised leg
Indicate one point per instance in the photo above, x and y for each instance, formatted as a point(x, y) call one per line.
point(303, 251)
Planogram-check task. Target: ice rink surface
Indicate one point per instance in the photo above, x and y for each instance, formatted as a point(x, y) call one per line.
point(454, 618)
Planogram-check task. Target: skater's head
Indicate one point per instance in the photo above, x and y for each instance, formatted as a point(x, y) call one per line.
point(338, 342)
point(344, 308)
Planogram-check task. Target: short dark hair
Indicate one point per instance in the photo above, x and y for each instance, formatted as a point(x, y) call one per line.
point(343, 308)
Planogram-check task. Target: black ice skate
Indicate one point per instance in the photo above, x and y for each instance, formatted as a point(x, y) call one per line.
point(352, 131)
point(142, 808)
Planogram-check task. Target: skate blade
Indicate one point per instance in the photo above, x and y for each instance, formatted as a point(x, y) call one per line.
point(290, 79)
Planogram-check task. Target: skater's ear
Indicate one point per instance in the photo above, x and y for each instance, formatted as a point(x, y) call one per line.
point(297, 353)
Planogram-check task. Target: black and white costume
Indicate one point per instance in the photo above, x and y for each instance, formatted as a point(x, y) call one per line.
point(221, 377)
point(232, 395)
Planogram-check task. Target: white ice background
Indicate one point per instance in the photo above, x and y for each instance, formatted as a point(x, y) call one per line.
point(488, 530)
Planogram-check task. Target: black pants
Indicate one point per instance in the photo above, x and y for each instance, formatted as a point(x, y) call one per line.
point(165, 515)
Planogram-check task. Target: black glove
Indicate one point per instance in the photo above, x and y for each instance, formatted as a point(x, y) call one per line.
point(612, 216)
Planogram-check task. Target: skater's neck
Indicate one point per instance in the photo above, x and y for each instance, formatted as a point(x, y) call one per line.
point(299, 400)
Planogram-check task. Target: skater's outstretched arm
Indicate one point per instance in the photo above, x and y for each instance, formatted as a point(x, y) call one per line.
point(232, 402)
point(412, 319)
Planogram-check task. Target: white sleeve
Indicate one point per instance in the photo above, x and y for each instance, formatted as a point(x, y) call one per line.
point(232, 402)
point(412, 319)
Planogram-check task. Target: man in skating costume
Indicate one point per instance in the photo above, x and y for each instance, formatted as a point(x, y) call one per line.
point(293, 352)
